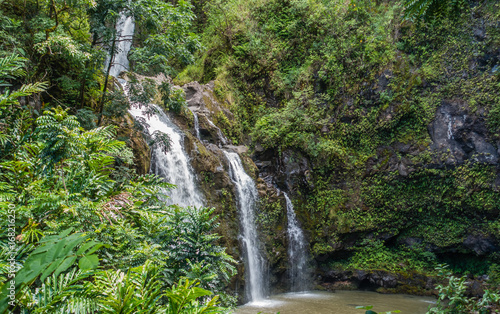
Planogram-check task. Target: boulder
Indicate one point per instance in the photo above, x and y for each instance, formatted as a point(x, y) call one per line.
point(194, 95)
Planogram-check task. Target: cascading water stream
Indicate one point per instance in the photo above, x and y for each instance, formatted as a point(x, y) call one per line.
point(196, 124)
point(256, 285)
point(174, 165)
point(297, 251)
point(221, 136)
point(125, 31)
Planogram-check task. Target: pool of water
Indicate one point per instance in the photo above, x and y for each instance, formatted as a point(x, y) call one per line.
point(339, 302)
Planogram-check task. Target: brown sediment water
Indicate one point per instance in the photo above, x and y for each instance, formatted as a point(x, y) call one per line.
point(339, 302)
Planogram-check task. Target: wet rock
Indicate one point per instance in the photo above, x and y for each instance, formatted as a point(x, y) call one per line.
point(402, 148)
point(403, 171)
point(263, 164)
point(337, 275)
point(135, 140)
point(237, 149)
point(194, 95)
point(458, 137)
point(479, 34)
point(485, 152)
point(258, 148)
point(480, 244)
point(292, 170)
point(383, 279)
point(383, 81)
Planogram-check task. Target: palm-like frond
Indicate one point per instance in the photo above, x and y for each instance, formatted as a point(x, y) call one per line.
point(11, 67)
point(8, 98)
point(426, 9)
point(65, 293)
point(137, 291)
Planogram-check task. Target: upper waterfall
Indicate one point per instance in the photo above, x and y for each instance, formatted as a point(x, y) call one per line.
point(174, 165)
point(125, 31)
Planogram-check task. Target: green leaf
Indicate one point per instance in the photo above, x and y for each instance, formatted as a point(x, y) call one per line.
point(88, 262)
point(69, 261)
point(51, 268)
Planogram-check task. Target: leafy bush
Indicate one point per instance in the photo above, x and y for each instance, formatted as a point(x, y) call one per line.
point(62, 179)
point(452, 297)
point(173, 99)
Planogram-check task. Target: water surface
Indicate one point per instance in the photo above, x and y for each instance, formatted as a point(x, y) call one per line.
point(340, 302)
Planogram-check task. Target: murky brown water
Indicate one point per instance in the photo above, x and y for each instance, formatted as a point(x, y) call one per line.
point(340, 302)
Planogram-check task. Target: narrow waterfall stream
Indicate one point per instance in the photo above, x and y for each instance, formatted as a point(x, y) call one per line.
point(256, 285)
point(174, 165)
point(297, 251)
point(196, 124)
point(221, 136)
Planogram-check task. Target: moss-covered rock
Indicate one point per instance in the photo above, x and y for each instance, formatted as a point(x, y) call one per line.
point(135, 140)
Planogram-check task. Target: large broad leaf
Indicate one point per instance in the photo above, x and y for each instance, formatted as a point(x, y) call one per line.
point(55, 255)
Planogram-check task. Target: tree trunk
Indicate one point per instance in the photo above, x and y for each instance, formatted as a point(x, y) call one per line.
point(101, 103)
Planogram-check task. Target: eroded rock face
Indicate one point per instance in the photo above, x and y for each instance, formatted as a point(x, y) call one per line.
point(194, 95)
point(287, 170)
point(459, 136)
point(385, 282)
point(212, 169)
point(135, 140)
point(481, 244)
point(203, 103)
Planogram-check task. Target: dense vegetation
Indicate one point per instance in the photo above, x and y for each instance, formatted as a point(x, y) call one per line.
point(81, 231)
point(351, 86)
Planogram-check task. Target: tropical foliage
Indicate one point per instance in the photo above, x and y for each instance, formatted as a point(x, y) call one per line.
point(349, 87)
point(81, 231)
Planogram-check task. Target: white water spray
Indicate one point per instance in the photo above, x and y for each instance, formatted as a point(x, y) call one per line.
point(297, 251)
point(125, 31)
point(256, 285)
point(174, 165)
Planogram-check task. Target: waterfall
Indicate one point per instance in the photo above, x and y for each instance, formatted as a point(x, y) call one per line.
point(174, 165)
point(221, 136)
point(196, 124)
point(297, 251)
point(125, 31)
point(247, 195)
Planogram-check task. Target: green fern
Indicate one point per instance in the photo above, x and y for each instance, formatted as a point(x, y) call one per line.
point(431, 9)
point(10, 68)
point(65, 293)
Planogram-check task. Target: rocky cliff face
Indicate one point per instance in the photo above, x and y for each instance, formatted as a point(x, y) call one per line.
point(456, 136)
point(135, 140)
point(460, 136)
point(212, 168)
